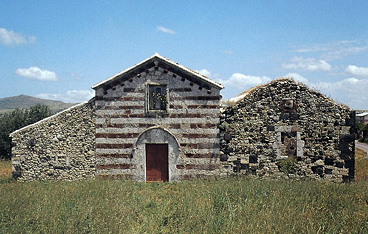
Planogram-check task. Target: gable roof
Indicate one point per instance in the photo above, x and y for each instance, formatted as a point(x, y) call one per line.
point(242, 95)
point(30, 126)
point(235, 100)
point(158, 60)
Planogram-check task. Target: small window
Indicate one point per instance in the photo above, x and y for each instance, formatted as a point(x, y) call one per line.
point(157, 97)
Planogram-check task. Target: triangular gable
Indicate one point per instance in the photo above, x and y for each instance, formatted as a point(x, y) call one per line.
point(158, 61)
point(51, 117)
point(281, 82)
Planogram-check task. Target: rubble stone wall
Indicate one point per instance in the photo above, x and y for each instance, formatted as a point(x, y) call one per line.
point(284, 129)
point(61, 147)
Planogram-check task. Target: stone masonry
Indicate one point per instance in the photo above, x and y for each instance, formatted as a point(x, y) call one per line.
point(60, 147)
point(285, 129)
point(281, 129)
point(188, 123)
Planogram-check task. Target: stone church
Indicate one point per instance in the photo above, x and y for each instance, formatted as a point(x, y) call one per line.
point(160, 121)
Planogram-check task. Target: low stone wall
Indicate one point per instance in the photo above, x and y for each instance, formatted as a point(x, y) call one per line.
point(61, 147)
point(284, 129)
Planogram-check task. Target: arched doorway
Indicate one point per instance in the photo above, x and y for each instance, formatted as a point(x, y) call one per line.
point(157, 152)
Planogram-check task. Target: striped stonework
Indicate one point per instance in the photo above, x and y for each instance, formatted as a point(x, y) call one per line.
point(189, 124)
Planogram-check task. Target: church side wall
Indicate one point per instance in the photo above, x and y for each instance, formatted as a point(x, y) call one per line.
point(60, 147)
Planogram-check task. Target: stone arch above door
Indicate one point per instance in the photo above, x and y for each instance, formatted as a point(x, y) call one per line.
point(156, 135)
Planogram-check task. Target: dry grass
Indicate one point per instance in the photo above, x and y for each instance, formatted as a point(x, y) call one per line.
point(229, 205)
point(5, 170)
point(361, 165)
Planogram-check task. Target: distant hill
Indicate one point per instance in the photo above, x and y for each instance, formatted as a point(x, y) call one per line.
point(25, 102)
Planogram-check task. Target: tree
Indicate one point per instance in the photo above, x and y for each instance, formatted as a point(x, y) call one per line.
point(362, 132)
point(38, 112)
point(16, 120)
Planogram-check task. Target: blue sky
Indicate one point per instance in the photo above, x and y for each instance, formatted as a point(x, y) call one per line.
point(59, 49)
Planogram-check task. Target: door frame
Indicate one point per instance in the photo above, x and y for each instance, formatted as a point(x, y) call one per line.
point(156, 135)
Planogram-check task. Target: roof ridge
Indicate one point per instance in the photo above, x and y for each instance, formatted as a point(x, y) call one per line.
point(48, 118)
point(173, 63)
point(235, 100)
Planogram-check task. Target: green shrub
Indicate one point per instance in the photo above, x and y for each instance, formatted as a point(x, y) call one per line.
point(288, 165)
point(16, 120)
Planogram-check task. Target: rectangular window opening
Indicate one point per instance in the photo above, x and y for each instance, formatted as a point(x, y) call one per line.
point(157, 97)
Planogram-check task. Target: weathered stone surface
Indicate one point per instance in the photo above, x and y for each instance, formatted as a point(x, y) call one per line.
point(60, 147)
point(188, 124)
point(281, 130)
point(283, 120)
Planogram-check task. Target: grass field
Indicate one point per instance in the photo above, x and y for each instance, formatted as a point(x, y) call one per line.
point(361, 165)
point(229, 205)
point(5, 171)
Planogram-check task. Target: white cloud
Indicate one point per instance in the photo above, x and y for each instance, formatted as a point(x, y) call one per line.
point(204, 72)
point(329, 87)
point(309, 64)
point(165, 30)
point(327, 46)
point(9, 38)
point(71, 96)
point(241, 81)
point(36, 73)
point(357, 71)
point(350, 91)
point(336, 50)
point(343, 52)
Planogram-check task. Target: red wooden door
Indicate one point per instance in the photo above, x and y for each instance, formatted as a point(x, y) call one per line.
point(157, 165)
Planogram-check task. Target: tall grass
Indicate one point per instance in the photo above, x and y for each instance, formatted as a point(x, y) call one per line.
point(230, 205)
point(5, 171)
point(361, 165)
